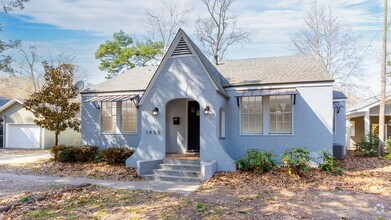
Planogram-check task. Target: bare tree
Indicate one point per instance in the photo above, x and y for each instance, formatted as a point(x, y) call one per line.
point(166, 22)
point(69, 57)
point(219, 30)
point(29, 65)
point(334, 43)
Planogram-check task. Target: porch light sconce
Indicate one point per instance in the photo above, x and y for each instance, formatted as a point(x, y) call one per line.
point(207, 110)
point(155, 111)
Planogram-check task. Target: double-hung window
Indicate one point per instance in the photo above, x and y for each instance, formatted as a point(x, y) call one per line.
point(280, 110)
point(251, 115)
point(109, 117)
point(128, 117)
point(118, 117)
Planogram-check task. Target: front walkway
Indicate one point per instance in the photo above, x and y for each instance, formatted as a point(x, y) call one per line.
point(157, 186)
point(24, 158)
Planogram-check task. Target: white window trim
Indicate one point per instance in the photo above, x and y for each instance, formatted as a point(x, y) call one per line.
point(222, 124)
point(352, 129)
point(292, 119)
point(335, 121)
point(266, 118)
point(118, 122)
point(240, 121)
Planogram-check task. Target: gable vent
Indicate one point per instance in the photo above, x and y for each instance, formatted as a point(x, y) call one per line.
point(181, 49)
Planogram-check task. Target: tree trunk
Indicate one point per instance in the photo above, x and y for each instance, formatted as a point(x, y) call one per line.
point(57, 133)
point(383, 78)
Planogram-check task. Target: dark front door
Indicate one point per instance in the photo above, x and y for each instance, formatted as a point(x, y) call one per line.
point(193, 126)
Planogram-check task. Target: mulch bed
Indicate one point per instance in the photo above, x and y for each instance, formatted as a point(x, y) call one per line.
point(362, 174)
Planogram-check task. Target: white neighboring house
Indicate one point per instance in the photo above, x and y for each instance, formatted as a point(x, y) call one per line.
point(20, 131)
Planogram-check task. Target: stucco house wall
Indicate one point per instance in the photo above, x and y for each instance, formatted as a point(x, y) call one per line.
point(182, 77)
point(92, 135)
point(312, 127)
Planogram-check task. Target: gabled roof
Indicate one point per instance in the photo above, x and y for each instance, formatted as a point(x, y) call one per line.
point(366, 103)
point(229, 73)
point(214, 73)
point(8, 104)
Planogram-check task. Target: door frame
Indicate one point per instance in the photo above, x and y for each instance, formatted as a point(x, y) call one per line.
point(188, 124)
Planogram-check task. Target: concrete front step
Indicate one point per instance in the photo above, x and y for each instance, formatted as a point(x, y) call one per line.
point(182, 173)
point(173, 178)
point(185, 167)
point(174, 170)
point(180, 162)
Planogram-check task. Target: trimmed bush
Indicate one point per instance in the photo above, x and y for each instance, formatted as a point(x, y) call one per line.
point(115, 155)
point(368, 146)
point(256, 161)
point(297, 161)
point(63, 153)
point(388, 145)
point(329, 164)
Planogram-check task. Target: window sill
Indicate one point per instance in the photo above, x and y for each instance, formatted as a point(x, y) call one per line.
point(265, 135)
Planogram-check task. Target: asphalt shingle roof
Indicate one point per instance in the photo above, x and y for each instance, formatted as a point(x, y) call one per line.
point(257, 71)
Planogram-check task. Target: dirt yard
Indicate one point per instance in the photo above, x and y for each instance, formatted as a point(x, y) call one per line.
point(363, 192)
point(85, 170)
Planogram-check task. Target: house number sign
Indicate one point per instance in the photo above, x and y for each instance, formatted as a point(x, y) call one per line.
point(152, 132)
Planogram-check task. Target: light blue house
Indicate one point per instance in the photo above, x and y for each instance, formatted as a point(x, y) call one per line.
point(187, 104)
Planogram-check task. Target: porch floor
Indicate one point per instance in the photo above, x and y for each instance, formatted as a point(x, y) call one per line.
point(185, 156)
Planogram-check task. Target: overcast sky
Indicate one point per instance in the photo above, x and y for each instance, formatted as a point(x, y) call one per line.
point(80, 26)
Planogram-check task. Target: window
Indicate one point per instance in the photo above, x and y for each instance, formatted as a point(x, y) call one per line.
point(128, 117)
point(109, 117)
point(118, 117)
point(222, 123)
point(251, 115)
point(352, 128)
point(280, 109)
point(334, 120)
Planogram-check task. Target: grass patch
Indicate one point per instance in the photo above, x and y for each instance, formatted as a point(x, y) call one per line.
point(43, 214)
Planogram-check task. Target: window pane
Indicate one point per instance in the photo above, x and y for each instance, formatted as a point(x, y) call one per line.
point(108, 116)
point(251, 115)
point(129, 117)
point(280, 114)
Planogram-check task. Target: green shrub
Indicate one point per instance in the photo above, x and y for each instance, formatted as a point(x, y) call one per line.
point(86, 153)
point(256, 161)
point(115, 155)
point(74, 153)
point(329, 164)
point(368, 145)
point(388, 145)
point(297, 161)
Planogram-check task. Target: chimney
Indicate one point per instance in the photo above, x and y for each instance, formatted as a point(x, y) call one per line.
point(217, 59)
